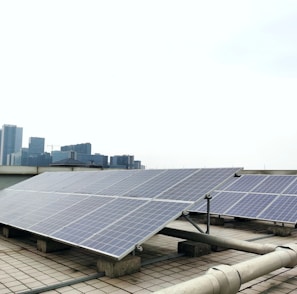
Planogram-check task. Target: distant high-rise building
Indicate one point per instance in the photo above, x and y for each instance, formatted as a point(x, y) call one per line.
point(137, 164)
point(60, 155)
point(84, 148)
point(20, 157)
point(11, 142)
point(122, 161)
point(36, 145)
point(93, 159)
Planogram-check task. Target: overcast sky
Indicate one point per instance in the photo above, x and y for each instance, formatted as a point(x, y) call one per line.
point(177, 84)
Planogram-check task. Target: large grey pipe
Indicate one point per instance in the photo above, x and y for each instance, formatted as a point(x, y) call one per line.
point(225, 279)
point(220, 241)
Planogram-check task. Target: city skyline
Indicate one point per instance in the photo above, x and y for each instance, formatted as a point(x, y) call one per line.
point(47, 148)
point(178, 84)
point(13, 153)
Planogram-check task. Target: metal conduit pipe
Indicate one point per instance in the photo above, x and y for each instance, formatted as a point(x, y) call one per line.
point(226, 279)
point(220, 241)
point(64, 284)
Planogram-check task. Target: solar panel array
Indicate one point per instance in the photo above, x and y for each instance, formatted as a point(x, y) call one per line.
point(263, 197)
point(109, 212)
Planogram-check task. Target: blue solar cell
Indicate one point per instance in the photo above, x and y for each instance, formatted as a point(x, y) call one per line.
point(220, 203)
point(47, 181)
point(20, 203)
point(77, 181)
point(198, 184)
point(283, 209)
point(134, 181)
point(291, 189)
point(246, 183)
point(93, 183)
point(40, 206)
point(274, 184)
point(251, 205)
point(160, 183)
point(97, 220)
point(133, 229)
point(105, 180)
point(227, 183)
point(68, 215)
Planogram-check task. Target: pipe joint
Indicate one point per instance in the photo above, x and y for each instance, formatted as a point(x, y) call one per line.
point(292, 247)
point(228, 279)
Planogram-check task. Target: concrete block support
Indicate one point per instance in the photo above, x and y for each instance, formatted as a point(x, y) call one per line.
point(46, 246)
point(9, 232)
point(280, 231)
point(217, 221)
point(113, 268)
point(193, 249)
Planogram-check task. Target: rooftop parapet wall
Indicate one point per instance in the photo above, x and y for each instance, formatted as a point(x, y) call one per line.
point(35, 170)
point(269, 171)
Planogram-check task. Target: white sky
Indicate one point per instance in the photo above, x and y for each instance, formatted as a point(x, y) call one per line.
point(177, 84)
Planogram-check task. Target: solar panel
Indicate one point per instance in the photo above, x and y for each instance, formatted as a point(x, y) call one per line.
point(291, 189)
point(127, 184)
point(220, 202)
point(17, 204)
point(109, 212)
point(266, 197)
point(134, 228)
point(283, 209)
point(197, 185)
point(246, 183)
point(157, 185)
point(115, 177)
point(227, 183)
point(43, 182)
point(76, 182)
point(40, 206)
point(92, 185)
point(97, 220)
point(250, 205)
point(274, 184)
point(81, 206)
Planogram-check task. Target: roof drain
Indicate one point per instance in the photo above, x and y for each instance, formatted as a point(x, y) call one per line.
point(226, 279)
point(64, 284)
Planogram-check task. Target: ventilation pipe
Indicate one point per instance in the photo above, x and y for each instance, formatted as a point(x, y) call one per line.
point(220, 241)
point(226, 279)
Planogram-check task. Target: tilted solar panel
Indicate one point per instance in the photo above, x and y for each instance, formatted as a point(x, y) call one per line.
point(197, 185)
point(292, 188)
point(109, 212)
point(274, 184)
point(98, 219)
point(246, 183)
point(220, 202)
point(251, 205)
point(161, 183)
point(18, 203)
point(64, 215)
point(266, 197)
point(283, 209)
point(135, 181)
point(134, 228)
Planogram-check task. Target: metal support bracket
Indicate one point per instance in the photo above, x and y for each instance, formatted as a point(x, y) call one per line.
point(186, 216)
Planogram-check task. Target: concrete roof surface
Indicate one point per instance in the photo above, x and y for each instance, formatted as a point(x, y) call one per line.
point(24, 268)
